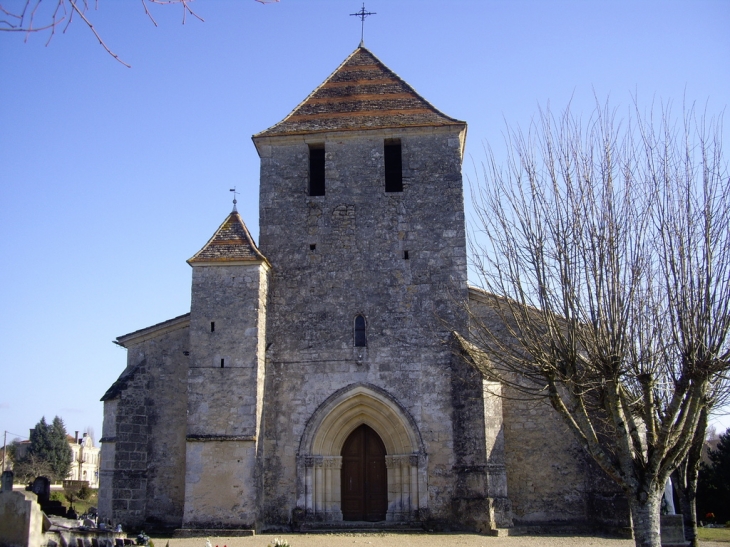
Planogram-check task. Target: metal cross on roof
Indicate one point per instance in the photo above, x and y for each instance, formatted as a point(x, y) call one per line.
point(362, 14)
point(234, 198)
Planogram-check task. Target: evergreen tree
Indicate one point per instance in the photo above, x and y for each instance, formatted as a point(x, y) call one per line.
point(49, 443)
point(713, 491)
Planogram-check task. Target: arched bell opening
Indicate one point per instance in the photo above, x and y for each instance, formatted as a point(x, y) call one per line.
point(350, 417)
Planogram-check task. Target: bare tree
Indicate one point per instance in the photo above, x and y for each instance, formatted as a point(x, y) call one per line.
point(39, 16)
point(606, 247)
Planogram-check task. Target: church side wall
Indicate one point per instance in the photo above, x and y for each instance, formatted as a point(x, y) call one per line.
point(550, 478)
point(143, 450)
point(341, 255)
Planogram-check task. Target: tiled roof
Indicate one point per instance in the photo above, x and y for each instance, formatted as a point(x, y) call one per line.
point(231, 243)
point(361, 94)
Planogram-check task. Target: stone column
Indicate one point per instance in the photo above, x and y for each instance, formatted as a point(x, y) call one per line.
point(402, 486)
point(318, 486)
point(414, 484)
point(309, 485)
point(337, 488)
point(321, 498)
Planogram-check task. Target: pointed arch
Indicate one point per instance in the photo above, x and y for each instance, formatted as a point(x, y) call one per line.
point(352, 406)
point(319, 460)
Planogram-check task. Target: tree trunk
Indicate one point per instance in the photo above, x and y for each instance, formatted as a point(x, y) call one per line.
point(645, 518)
point(684, 480)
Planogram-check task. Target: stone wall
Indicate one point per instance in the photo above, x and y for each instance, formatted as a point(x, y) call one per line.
point(143, 443)
point(550, 478)
point(343, 254)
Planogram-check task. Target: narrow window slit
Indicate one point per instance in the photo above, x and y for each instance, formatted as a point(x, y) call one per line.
point(393, 165)
point(223, 363)
point(316, 170)
point(212, 326)
point(405, 255)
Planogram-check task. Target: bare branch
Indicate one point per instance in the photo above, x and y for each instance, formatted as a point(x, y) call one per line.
point(608, 243)
point(55, 13)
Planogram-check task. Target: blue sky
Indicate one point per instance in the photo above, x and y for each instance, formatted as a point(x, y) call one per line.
point(111, 177)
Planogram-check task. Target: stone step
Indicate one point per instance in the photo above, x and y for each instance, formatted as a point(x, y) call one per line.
point(360, 527)
point(211, 532)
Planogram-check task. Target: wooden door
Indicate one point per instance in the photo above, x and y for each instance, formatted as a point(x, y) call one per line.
point(364, 478)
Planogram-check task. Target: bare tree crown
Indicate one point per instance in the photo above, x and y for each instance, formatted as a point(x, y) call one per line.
point(608, 244)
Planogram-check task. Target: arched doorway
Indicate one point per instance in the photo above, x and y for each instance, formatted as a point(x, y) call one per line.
point(364, 476)
point(322, 448)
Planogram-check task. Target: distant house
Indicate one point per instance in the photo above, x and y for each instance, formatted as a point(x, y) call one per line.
point(85, 458)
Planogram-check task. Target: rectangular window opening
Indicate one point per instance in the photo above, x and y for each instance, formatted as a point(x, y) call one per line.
point(316, 169)
point(223, 362)
point(313, 247)
point(212, 326)
point(393, 166)
point(405, 255)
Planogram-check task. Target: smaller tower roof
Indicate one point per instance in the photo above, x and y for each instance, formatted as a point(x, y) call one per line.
point(362, 93)
point(231, 242)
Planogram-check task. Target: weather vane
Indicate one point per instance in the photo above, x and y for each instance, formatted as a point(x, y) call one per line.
point(362, 14)
point(234, 198)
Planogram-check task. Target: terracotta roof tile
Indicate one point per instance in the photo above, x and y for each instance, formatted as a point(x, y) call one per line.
point(361, 94)
point(232, 242)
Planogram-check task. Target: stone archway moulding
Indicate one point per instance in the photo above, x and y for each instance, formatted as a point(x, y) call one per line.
point(319, 461)
point(352, 406)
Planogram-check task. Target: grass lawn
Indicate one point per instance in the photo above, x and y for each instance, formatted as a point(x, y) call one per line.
point(81, 506)
point(714, 534)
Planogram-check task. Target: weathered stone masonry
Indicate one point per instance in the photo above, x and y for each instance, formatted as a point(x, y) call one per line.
point(236, 415)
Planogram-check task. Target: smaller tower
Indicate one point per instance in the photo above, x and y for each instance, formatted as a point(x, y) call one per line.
point(225, 378)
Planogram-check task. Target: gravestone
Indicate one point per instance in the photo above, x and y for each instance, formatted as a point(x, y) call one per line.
point(42, 488)
point(672, 531)
point(7, 481)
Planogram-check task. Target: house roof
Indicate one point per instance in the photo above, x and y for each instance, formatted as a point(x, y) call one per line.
point(232, 242)
point(362, 93)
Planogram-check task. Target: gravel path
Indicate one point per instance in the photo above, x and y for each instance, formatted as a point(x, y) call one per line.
point(408, 540)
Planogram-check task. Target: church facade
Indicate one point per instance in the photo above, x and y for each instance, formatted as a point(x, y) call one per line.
point(324, 375)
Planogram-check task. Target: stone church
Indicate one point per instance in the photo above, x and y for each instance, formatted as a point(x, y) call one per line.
point(323, 376)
